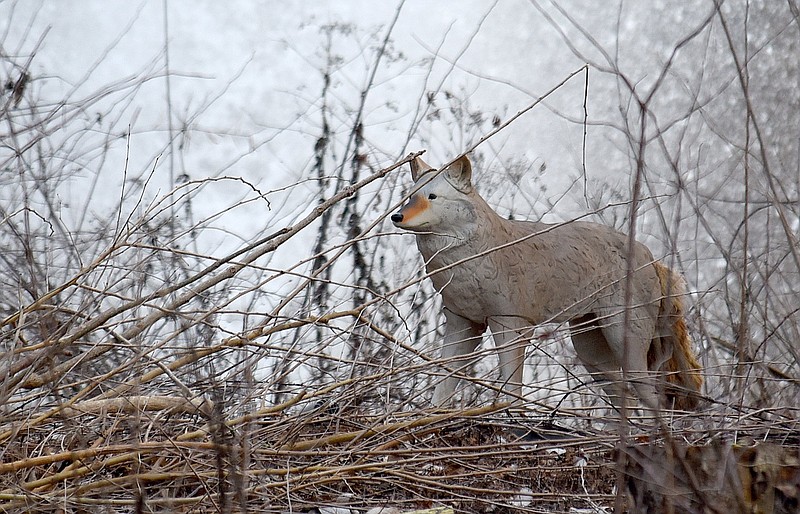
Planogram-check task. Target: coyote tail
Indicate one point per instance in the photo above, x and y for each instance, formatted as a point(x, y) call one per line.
point(671, 350)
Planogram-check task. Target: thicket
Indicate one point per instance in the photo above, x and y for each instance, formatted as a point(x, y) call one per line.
point(174, 338)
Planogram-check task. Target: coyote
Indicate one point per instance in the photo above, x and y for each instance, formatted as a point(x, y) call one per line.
point(512, 275)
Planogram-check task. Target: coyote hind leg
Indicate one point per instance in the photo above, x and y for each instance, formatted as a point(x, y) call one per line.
point(597, 357)
point(603, 359)
point(630, 346)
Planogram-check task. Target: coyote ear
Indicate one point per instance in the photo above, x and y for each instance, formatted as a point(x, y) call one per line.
point(459, 174)
point(418, 168)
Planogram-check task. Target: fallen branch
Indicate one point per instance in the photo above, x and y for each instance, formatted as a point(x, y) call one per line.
point(133, 404)
point(346, 437)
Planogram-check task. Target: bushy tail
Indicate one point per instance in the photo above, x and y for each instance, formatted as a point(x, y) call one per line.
point(671, 350)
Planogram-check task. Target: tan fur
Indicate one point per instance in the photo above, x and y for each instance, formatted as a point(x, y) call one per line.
point(625, 318)
point(681, 367)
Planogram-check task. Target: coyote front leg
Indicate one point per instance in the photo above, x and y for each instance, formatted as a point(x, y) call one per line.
point(511, 337)
point(461, 337)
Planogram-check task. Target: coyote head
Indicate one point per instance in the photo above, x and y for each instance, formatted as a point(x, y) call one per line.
point(442, 201)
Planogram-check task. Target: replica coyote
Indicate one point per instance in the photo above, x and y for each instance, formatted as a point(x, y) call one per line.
point(511, 275)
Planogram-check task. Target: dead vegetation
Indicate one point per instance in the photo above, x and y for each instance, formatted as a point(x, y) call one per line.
point(164, 458)
point(276, 462)
point(160, 354)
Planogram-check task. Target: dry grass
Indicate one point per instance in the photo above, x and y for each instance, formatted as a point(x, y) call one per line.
point(170, 455)
point(275, 461)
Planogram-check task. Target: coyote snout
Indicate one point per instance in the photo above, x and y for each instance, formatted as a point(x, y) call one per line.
point(509, 276)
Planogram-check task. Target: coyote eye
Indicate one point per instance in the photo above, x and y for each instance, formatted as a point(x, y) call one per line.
point(432, 196)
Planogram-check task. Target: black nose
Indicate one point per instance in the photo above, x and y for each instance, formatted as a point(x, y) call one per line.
point(397, 217)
